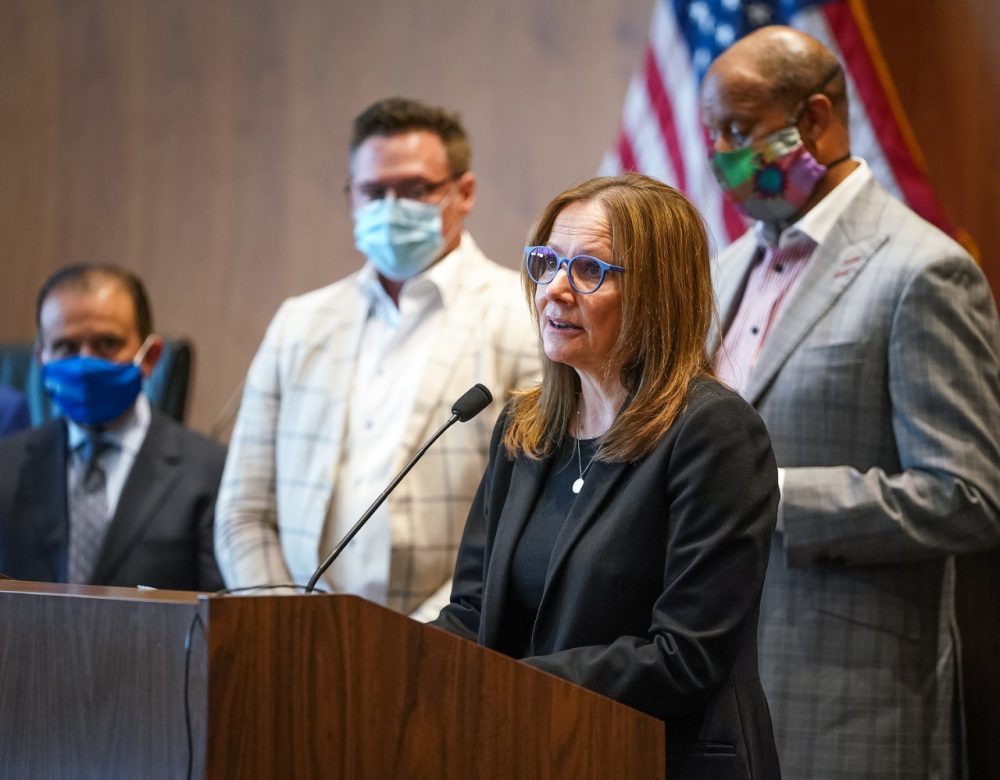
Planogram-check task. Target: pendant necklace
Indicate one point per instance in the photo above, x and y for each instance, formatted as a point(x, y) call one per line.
point(578, 484)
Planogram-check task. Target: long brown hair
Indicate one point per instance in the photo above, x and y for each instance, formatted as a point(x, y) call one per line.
point(667, 310)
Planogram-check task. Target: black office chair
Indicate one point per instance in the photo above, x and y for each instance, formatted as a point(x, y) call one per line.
point(167, 386)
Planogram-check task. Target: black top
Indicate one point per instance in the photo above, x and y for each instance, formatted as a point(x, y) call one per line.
point(530, 563)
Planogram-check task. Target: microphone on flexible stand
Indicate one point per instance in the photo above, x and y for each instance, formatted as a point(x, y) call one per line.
point(471, 403)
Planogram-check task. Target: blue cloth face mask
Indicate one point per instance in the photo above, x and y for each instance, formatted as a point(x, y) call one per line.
point(399, 237)
point(93, 391)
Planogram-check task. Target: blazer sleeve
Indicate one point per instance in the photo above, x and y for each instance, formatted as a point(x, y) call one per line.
point(944, 384)
point(247, 544)
point(721, 484)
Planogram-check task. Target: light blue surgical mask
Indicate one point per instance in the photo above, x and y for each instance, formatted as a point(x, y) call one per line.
point(399, 237)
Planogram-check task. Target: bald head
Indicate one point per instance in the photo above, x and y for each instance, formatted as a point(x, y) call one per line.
point(782, 66)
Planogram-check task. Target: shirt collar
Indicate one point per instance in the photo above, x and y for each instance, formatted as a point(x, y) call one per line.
point(817, 223)
point(127, 437)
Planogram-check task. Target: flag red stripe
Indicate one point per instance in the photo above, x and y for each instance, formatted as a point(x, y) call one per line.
point(662, 108)
point(626, 154)
point(912, 182)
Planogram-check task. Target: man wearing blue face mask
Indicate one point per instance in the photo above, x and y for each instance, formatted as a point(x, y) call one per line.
point(114, 493)
point(868, 341)
point(351, 378)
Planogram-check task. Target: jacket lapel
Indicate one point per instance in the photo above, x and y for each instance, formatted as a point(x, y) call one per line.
point(46, 505)
point(454, 329)
point(527, 479)
point(153, 476)
point(832, 269)
point(321, 463)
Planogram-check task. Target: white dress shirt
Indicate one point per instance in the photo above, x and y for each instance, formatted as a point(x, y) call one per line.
point(117, 461)
point(394, 348)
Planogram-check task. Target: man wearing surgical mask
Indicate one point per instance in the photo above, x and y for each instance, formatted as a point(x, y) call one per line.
point(868, 341)
point(113, 492)
point(352, 378)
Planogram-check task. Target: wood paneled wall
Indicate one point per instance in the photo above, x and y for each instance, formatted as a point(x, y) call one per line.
point(945, 61)
point(203, 144)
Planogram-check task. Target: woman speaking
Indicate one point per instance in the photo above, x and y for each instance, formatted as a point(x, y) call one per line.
point(620, 534)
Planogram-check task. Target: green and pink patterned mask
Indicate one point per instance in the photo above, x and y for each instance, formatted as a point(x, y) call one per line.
point(770, 180)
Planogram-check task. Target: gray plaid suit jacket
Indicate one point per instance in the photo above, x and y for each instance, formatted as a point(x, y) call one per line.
point(880, 387)
point(279, 478)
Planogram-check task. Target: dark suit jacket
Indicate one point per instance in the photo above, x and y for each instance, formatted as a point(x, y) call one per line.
point(651, 598)
point(161, 534)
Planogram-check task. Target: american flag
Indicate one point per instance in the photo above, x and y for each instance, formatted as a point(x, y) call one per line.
point(661, 131)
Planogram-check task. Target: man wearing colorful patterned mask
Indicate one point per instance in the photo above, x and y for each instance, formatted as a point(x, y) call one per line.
point(774, 177)
point(868, 341)
point(350, 379)
point(114, 493)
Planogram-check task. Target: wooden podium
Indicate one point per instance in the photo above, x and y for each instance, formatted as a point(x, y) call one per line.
point(122, 683)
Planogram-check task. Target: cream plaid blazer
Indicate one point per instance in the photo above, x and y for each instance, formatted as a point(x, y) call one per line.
point(278, 482)
point(880, 387)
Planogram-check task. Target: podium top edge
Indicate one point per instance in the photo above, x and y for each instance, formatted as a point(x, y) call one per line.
point(99, 592)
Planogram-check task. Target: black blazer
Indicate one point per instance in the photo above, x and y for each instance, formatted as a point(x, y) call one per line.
point(161, 534)
point(652, 596)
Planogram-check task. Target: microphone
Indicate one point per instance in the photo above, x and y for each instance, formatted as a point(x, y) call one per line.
point(471, 403)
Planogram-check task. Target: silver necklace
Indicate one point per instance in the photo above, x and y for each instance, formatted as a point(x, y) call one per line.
point(578, 484)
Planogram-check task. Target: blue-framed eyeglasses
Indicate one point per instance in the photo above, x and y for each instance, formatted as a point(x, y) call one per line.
point(586, 274)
